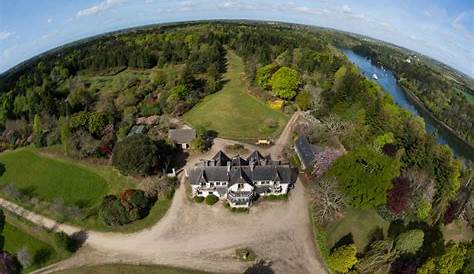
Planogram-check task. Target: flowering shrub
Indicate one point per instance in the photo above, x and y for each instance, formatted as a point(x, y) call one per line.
point(323, 161)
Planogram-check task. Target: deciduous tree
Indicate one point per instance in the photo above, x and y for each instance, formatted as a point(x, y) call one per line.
point(343, 258)
point(328, 204)
point(264, 75)
point(409, 242)
point(284, 82)
point(136, 155)
point(364, 176)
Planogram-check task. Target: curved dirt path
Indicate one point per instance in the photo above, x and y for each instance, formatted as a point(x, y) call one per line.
point(204, 237)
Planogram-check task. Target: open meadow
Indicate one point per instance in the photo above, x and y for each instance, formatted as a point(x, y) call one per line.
point(233, 113)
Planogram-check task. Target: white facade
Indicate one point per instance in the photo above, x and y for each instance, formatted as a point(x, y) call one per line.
point(240, 181)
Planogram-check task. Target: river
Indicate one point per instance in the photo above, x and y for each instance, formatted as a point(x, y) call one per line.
point(389, 83)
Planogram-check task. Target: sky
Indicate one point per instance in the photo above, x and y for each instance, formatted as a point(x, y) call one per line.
point(442, 29)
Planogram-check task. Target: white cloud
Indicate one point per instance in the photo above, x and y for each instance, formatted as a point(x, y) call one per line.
point(307, 10)
point(346, 9)
point(237, 5)
point(102, 6)
point(5, 34)
point(50, 20)
point(413, 37)
point(427, 13)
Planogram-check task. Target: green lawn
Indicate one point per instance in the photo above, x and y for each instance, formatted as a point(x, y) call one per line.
point(129, 269)
point(48, 178)
point(40, 252)
point(361, 223)
point(232, 112)
point(52, 175)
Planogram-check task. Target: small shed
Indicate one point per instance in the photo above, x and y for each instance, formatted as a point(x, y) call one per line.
point(305, 151)
point(182, 136)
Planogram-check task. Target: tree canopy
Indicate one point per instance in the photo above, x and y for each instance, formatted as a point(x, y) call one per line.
point(364, 176)
point(264, 75)
point(136, 155)
point(343, 258)
point(284, 82)
point(410, 241)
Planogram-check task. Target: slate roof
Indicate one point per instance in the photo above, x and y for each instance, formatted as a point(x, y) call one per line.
point(240, 174)
point(238, 161)
point(182, 135)
point(239, 177)
point(240, 171)
point(305, 151)
point(220, 159)
point(256, 156)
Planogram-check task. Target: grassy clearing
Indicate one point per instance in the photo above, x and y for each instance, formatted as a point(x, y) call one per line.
point(130, 269)
point(48, 178)
point(51, 175)
point(16, 240)
point(39, 243)
point(232, 112)
point(361, 223)
point(470, 97)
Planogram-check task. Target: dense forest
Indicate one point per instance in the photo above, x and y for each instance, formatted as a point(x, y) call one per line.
point(88, 96)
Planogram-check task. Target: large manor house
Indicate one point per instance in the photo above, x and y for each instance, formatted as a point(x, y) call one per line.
point(240, 181)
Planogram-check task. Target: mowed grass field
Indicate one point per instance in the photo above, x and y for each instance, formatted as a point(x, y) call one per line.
point(233, 113)
point(361, 223)
point(129, 269)
point(48, 178)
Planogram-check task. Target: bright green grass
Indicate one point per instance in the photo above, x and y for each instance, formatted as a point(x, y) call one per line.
point(40, 252)
point(360, 222)
point(47, 178)
point(470, 97)
point(232, 112)
point(129, 269)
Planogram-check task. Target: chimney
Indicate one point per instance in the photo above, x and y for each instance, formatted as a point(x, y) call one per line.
point(228, 166)
point(252, 164)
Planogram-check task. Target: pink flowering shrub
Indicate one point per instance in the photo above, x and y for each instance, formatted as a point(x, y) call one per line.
point(323, 161)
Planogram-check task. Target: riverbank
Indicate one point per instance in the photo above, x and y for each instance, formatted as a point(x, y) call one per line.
point(408, 100)
point(404, 97)
point(421, 106)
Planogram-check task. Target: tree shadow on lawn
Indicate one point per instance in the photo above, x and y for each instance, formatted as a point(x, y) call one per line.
point(2, 169)
point(42, 256)
point(375, 235)
point(28, 191)
point(345, 240)
point(83, 203)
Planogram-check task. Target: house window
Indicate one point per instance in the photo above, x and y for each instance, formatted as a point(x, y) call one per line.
point(240, 186)
point(212, 184)
point(218, 183)
point(203, 184)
